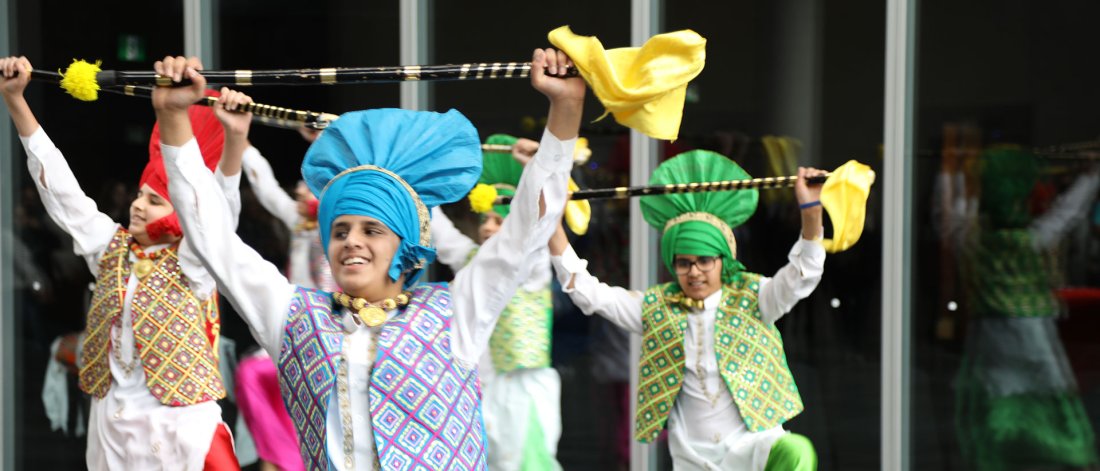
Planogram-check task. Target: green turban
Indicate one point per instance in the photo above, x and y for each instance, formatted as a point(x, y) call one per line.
point(699, 223)
point(1008, 177)
point(499, 171)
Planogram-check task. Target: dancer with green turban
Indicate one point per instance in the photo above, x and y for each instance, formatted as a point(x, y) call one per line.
point(713, 370)
point(521, 392)
point(1018, 406)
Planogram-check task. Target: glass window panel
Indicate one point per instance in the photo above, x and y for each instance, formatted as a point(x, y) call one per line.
point(1005, 208)
point(811, 75)
point(590, 355)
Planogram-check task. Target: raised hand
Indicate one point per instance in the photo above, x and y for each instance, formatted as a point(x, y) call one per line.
point(228, 111)
point(546, 67)
point(16, 72)
point(179, 98)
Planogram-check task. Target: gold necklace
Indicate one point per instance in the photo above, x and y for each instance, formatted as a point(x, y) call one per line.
point(700, 370)
point(373, 315)
point(127, 368)
point(145, 264)
point(343, 395)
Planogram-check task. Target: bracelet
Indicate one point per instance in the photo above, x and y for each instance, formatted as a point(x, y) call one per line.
point(809, 205)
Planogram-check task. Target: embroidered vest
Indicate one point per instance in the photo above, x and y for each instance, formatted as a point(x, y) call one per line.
point(521, 338)
point(175, 333)
point(1007, 276)
point(749, 354)
point(425, 408)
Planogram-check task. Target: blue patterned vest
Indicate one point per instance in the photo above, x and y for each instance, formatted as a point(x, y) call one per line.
point(425, 408)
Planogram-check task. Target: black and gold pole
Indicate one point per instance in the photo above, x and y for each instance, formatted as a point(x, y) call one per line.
point(88, 73)
point(265, 114)
point(624, 192)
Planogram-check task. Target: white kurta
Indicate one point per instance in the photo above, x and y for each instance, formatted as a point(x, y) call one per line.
point(706, 431)
point(261, 294)
point(300, 269)
point(129, 428)
point(509, 398)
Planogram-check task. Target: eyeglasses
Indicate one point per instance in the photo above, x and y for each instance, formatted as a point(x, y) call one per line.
point(682, 266)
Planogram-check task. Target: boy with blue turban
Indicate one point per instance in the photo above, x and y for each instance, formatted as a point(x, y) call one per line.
point(381, 375)
point(713, 368)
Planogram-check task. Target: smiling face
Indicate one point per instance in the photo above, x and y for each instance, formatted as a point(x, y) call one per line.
point(360, 251)
point(489, 226)
point(149, 206)
point(699, 276)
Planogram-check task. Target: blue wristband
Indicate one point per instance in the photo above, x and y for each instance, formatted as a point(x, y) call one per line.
point(809, 205)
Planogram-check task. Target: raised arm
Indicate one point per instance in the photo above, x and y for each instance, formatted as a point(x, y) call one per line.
point(483, 288)
point(58, 188)
point(452, 247)
point(621, 306)
point(806, 260)
point(255, 287)
point(1070, 208)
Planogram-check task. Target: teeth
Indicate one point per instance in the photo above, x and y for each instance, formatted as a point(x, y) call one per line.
point(355, 261)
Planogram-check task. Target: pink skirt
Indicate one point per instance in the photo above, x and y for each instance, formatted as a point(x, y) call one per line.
point(261, 405)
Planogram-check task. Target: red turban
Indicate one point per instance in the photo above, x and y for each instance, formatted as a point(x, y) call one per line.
point(211, 138)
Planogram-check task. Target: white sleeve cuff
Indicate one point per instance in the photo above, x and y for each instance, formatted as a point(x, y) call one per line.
point(566, 265)
point(809, 257)
point(555, 155)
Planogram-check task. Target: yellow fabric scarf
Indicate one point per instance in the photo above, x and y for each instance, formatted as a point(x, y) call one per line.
point(844, 197)
point(643, 87)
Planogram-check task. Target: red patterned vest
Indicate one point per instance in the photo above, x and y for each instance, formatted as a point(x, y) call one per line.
point(175, 333)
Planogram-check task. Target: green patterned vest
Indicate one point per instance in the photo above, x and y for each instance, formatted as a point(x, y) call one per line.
point(521, 338)
point(1008, 277)
point(749, 353)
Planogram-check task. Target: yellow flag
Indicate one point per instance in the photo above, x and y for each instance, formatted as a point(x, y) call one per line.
point(844, 197)
point(643, 87)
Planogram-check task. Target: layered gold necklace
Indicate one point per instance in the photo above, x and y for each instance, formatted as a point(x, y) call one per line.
point(371, 314)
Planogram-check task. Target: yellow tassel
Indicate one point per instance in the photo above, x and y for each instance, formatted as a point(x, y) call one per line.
point(577, 213)
point(79, 80)
point(482, 198)
point(581, 153)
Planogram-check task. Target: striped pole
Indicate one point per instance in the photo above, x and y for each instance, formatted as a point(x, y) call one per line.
point(331, 75)
point(624, 192)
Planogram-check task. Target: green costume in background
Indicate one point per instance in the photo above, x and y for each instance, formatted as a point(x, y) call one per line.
point(521, 400)
point(1018, 405)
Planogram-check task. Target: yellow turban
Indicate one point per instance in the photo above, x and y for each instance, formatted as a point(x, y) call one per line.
point(844, 197)
point(643, 87)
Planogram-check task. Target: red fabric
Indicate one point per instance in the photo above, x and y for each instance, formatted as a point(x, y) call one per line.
point(169, 224)
point(209, 134)
point(221, 456)
point(1082, 300)
point(311, 208)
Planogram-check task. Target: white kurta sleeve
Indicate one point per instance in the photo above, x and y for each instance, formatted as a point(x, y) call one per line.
point(231, 188)
point(621, 306)
point(202, 284)
point(795, 281)
point(66, 203)
point(484, 287)
point(271, 196)
point(1070, 208)
point(255, 287)
point(452, 247)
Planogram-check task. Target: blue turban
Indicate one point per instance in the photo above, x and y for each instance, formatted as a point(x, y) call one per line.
point(393, 165)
